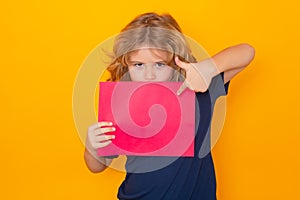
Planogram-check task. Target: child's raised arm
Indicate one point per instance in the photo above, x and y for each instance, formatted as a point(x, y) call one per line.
point(231, 61)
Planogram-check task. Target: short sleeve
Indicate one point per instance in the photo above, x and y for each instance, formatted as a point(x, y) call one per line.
point(226, 85)
point(206, 102)
point(217, 87)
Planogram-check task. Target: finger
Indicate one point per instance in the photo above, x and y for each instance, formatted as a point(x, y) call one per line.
point(103, 138)
point(104, 130)
point(180, 64)
point(102, 144)
point(99, 125)
point(181, 89)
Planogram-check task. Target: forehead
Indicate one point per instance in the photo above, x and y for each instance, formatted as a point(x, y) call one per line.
point(149, 54)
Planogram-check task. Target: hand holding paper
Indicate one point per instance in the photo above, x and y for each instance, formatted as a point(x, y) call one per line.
point(99, 135)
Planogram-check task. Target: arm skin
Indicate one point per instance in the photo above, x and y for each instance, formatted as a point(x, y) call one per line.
point(231, 61)
point(95, 163)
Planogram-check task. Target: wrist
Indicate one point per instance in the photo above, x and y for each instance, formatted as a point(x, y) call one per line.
point(94, 154)
point(211, 69)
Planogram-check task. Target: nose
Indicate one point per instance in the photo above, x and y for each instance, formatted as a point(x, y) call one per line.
point(149, 73)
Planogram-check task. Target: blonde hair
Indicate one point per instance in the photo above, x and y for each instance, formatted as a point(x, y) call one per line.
point(154, 31)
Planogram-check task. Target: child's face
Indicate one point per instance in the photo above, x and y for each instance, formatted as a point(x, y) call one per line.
point(149, 65)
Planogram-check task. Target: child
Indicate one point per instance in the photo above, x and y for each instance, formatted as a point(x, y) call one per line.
point(152, 48)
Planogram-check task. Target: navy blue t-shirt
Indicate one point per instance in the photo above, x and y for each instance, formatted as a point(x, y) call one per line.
point(178, 178)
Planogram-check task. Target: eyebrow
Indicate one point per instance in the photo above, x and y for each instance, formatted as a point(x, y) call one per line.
point(137, 61)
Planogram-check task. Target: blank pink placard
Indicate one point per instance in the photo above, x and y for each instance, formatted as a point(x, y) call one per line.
point(150, 119)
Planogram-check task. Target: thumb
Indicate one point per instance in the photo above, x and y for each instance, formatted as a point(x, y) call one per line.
point(180, 63)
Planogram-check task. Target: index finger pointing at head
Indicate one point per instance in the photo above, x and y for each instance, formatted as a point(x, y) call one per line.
point(180, 63)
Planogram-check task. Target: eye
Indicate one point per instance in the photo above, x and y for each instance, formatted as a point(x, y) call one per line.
point(138, 65)
point(160, 64)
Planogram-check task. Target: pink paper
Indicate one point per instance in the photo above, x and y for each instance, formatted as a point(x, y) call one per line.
point(150, 119)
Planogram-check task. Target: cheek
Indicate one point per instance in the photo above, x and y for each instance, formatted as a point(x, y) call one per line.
point(167, 74)
point(134, 75)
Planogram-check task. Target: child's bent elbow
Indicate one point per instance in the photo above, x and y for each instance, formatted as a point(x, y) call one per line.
point(97, 169)
point(249, 49)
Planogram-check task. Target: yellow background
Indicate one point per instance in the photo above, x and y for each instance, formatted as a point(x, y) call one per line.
point(43, 44)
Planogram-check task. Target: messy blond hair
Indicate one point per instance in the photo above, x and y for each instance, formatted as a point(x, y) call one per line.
point(154, 31)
